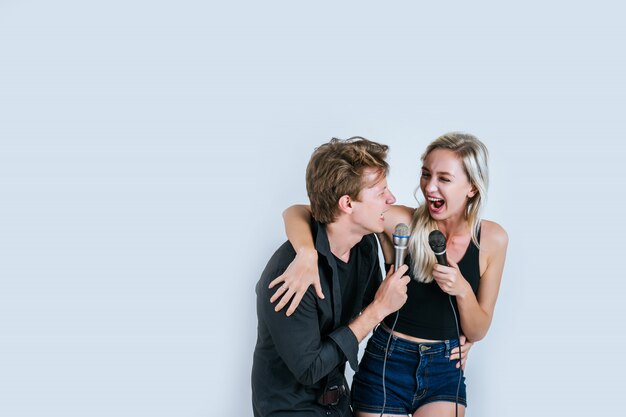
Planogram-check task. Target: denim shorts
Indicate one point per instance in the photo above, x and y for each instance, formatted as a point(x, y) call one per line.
point(415, 374)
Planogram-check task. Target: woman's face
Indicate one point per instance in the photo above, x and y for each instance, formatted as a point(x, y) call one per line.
point(445, 185)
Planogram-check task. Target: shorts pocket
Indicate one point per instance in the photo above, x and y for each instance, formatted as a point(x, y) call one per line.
point(375, 349)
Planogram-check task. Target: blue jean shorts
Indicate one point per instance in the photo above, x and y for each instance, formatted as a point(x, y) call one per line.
point(415, 374)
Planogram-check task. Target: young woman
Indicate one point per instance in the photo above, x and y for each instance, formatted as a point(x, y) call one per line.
point(414, 347)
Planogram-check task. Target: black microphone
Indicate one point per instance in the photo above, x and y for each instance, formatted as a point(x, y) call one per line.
point(437, 242)
point(400, 243)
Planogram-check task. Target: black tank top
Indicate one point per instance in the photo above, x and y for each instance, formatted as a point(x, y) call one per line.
point(427, 313)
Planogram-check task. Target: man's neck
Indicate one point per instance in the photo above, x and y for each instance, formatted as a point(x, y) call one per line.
point(342, 239)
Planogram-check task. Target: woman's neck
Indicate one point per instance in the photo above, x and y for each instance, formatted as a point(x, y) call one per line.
point(453, 227)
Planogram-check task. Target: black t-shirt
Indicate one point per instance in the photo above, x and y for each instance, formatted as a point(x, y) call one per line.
point(348, 279)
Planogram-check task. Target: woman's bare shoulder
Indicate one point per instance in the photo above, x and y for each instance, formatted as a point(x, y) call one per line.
point(402, 214)
point(493, 236)
point(397, 214)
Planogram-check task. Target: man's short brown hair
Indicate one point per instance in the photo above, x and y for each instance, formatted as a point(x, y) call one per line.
point(336, 169)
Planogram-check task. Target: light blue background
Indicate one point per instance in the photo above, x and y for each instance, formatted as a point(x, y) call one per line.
point(148, 148)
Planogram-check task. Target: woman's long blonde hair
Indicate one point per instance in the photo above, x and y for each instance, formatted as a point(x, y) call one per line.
point(474, 155)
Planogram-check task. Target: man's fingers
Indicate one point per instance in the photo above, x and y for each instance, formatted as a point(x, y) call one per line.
point(459, 362)
point(403, 268)
point(454, 354)
point(390, 272)
point(459, 353)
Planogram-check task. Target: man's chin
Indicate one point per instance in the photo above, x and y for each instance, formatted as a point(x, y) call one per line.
point(379, 229)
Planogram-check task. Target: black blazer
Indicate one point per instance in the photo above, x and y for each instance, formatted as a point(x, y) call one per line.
point(297, 357)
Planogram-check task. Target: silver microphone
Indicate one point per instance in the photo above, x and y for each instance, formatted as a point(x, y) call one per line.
point(400, 243)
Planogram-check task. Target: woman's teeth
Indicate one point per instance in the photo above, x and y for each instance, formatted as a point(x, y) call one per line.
point(436, 202)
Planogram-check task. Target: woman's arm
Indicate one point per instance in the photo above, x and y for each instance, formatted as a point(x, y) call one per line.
point(477, 312)
point(302, 272)
point(395, 215)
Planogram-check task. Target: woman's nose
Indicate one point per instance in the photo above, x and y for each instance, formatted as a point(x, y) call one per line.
point(431, 185)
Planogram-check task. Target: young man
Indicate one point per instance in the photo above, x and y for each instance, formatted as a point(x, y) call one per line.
point(299, 360)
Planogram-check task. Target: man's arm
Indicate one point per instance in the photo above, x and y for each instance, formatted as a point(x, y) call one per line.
point(298, 341)
point(297, 338)
point(391, 295)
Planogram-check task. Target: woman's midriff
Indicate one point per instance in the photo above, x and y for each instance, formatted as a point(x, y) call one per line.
point(407, 337)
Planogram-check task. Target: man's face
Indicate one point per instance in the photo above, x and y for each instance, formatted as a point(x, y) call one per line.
point(374, 200)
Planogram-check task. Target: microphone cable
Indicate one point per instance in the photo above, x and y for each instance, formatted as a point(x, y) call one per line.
point(385, 362)
point(400, 242)
point(437, 242)
point(458, 334)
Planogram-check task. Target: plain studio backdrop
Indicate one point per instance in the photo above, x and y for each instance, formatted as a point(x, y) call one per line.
point(148, 149)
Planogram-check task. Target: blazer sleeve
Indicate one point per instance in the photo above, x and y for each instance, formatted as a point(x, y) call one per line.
point(298, 340)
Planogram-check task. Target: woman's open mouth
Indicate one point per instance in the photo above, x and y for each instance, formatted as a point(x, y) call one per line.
point(435, 204)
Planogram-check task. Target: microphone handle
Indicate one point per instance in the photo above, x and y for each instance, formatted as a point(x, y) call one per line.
point(442, 259)
point(400, 254)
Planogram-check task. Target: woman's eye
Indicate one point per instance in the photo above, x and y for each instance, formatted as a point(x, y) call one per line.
point(444, 179)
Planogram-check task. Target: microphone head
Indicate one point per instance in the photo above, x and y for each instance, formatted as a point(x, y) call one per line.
point(437, 242)
point(401, 235)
